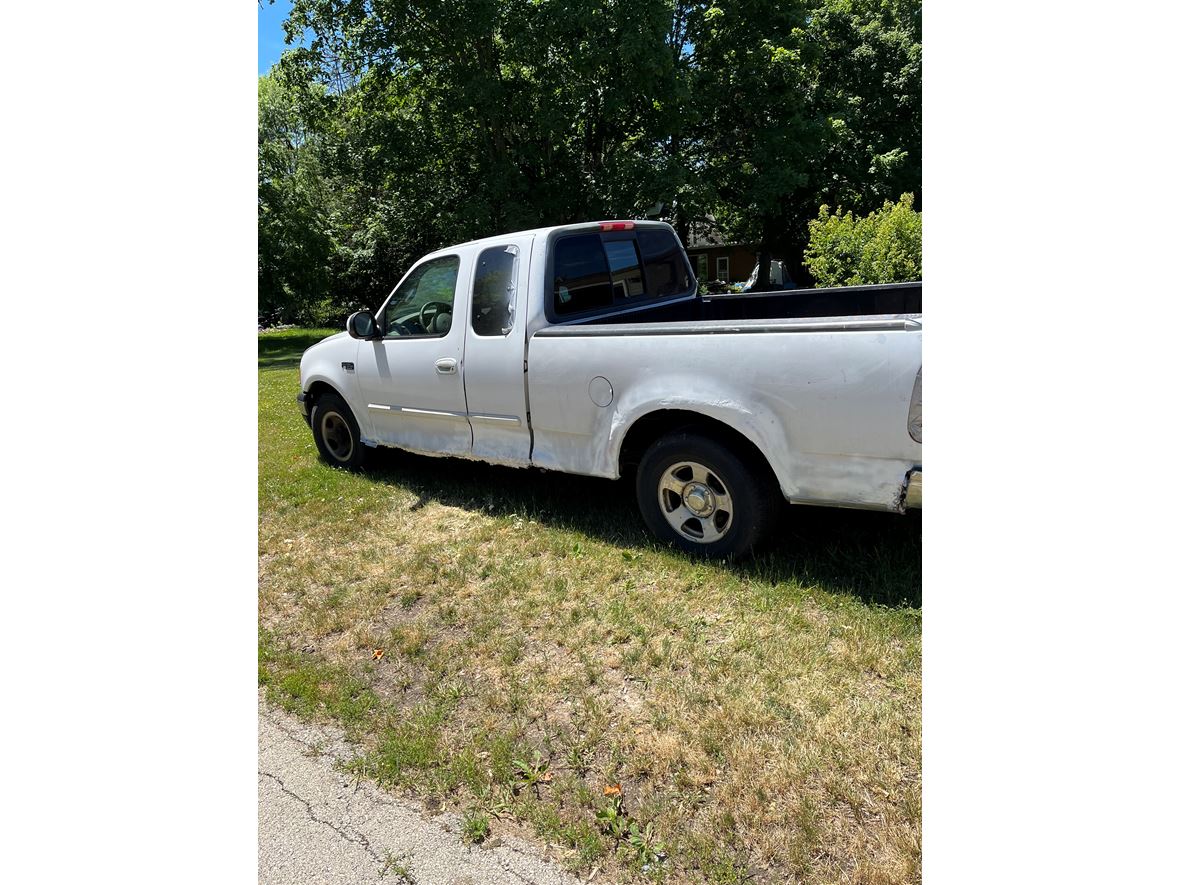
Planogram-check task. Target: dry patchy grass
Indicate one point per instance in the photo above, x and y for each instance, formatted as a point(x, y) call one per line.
point(762, 720)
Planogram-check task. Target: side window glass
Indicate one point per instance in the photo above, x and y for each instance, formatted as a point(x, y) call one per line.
point(581, 280)
point(493, 295)
point(422, 305)
point(667, 274)
point(626, 277)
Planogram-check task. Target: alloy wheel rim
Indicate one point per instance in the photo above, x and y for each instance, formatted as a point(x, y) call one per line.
point(695, 502)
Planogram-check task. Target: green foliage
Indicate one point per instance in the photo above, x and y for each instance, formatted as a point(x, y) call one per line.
point(882, 247)
point(808, 102)
point(866, 63)
point(613, 819)
point(295, 244)
point(532, 774)
point(642, 841)
point(401, 128)
point(625, 831)
point(475, 827)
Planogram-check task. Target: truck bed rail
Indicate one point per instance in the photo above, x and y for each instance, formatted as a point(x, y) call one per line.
point(899, 322)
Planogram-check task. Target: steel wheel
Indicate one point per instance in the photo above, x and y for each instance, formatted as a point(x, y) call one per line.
point(335, 432)
point(337, 435)
point(695, 502)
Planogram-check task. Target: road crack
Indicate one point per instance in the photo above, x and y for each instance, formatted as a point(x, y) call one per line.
point(357, 839)
point(513, 873)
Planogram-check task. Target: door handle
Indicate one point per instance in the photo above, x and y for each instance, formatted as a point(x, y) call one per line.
point(447, 366)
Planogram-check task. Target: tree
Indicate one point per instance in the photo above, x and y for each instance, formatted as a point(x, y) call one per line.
point(866, 59)
point(810, 101)
point(479, 116)
point(404, 126)
point(295, 246)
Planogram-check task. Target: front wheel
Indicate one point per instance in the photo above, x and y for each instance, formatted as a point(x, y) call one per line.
point(336, 433)
point(695, 493)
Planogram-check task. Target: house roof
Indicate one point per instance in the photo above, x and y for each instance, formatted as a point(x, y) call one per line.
point(707, 235)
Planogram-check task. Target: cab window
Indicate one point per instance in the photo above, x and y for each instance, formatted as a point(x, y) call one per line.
point(626, 277)
point(422, 305)
point(594, 272)
point(581, 280)
point(493, 295)
point(667, 274)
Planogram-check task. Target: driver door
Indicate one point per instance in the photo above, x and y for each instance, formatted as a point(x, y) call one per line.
point(411, 379)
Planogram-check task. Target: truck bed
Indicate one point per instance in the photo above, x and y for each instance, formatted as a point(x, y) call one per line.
point(824, 399)
point(836, 302)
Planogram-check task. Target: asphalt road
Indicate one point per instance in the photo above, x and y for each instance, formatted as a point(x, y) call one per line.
point(317, 826)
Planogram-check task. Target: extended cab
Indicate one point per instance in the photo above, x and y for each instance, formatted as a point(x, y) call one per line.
point(585, 348)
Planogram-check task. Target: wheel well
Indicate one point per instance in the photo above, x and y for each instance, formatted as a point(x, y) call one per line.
point(319, 388)
point(651, 427)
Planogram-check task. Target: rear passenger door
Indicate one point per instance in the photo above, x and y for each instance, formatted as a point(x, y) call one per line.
point(493, 359)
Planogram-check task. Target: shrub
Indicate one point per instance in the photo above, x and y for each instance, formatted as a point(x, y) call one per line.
point(882, 247)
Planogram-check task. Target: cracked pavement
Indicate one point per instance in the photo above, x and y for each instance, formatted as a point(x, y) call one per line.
point(318, 825)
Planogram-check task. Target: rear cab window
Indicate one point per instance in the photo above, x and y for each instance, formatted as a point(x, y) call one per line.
point(663, 262)
point(493, 295)
point(601, 272)
point(581, 281)
point(626, 276)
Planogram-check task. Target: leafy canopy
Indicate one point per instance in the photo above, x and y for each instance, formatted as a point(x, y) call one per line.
point(404, 126)
point(882, 247)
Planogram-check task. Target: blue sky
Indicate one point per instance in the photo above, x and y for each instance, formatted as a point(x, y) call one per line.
point(270, 32)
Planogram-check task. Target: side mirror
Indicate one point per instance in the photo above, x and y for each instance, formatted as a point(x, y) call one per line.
point(362, 325)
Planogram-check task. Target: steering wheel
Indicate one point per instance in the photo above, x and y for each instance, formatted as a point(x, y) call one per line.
point(440, 308)
point(392, 325)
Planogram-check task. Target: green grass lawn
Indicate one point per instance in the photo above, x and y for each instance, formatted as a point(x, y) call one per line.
point(761, 720)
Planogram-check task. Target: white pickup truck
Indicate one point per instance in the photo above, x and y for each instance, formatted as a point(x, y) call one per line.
point(586, 349)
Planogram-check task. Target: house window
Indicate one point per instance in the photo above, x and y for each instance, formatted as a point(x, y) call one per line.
point(703, 266)
point(723, 268)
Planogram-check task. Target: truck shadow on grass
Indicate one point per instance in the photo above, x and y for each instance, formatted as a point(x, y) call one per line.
point(875, 557)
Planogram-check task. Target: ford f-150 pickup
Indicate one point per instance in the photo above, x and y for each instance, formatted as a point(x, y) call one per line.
point(586, 348)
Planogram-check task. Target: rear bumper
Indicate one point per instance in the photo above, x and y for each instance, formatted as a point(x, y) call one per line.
point(913, 491)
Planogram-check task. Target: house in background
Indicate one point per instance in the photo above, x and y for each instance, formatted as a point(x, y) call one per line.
point(713, 258)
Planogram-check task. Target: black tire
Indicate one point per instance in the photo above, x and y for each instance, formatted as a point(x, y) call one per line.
point(336, 433)
point(746, 494)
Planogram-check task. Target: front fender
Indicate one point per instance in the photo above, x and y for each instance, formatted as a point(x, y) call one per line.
point(324, 363)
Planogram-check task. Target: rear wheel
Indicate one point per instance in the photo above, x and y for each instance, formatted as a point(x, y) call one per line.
point(696, 493)
point(336, 433)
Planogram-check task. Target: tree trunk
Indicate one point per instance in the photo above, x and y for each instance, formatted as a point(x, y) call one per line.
point(762, 284)
point(680, 223)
